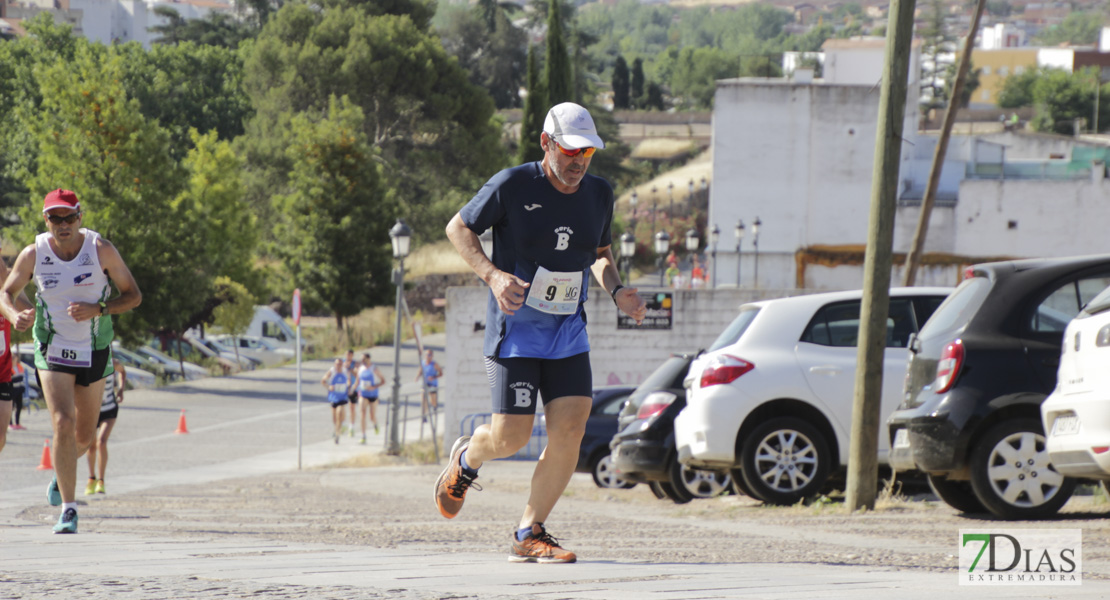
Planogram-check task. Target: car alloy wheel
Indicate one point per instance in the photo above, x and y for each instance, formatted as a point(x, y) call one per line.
point(1012, 475)
point(606, 476)
point(785, 460)
point(698, 483)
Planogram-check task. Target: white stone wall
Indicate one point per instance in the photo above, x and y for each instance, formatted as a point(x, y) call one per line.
point(617, 356)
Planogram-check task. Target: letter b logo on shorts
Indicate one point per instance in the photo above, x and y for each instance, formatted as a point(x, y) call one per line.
point(523, 397)
point(564, 241)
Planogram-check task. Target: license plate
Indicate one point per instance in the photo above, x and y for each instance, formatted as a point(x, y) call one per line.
point(901, 439)
point(1066, 425)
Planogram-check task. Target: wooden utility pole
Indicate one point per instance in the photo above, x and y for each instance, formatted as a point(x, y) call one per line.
point(863, 464)
point(913, 259)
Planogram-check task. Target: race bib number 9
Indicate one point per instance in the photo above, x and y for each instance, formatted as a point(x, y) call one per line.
point(68, 357)
point(554, 292)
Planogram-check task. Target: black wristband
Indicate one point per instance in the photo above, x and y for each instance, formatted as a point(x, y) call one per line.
point(614, 292)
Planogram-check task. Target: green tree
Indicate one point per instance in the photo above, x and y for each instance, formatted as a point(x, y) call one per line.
point(236, 310)
point(1017, 89)
point(971, 83)
point(620, 84)
point(419, 110)
point(94, 140)
point(1078, 28)
point(1061, 98)
point(334, 223)
point(636, 86)
point(535, 110)
point(937, 41)
point(558, 79)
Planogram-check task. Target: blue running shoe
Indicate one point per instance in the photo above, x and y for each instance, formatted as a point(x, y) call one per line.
point(53, 494)
point(67, 523)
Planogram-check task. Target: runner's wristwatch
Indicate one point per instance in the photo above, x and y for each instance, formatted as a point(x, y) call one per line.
point(103, 308)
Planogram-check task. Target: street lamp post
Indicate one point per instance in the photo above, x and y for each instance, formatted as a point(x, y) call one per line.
point(714, 237)
point(670, 190)
point(692, 240)
point(628, 250)
point(400, 235)
point(632, 202)
point(739, 238)
point(755, 244)
point(654, 203)
point(690, 197)
point(662, 245)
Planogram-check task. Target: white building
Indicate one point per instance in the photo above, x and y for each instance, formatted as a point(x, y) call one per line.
point(116, 21)
point(800, 157)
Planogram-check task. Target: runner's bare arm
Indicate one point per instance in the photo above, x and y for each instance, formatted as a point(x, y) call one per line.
point(507, 288)
point(129, 294)
point(13, 301)
point(626, 298)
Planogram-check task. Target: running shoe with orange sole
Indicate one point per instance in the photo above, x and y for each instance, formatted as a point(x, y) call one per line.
point(540, 546)
point(453, 483)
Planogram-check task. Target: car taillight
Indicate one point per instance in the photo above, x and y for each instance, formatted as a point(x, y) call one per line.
point(723, 368)
point(654, 404)
point(949, 366)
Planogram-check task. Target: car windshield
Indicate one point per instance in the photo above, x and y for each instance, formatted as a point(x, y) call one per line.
point(732, 333)
point(957, 309)
point(1099, 303)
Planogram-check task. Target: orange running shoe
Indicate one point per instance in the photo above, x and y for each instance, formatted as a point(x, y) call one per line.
point(540, 546)
point(453, 482)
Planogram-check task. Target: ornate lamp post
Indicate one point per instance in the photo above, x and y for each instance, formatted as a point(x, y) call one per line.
point(628, 250)
point(662, 245)
point(400, 235)
point(714, 237)
point(670, 190)
point(690, 196)
point(655, 201)
point(755, 244)
point(692, 240)
point(739, 238)
point(632, 202)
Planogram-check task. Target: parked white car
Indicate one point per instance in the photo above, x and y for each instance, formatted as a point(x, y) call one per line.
point(771, 400)
point(1077, 414)
point(192, 371)
point(260, 348)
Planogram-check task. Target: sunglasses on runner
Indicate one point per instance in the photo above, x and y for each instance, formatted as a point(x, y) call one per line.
point(69, 219)
point(586, 152)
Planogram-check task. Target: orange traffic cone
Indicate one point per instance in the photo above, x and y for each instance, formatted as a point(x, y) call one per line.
point(181, 428)
point(46, 464)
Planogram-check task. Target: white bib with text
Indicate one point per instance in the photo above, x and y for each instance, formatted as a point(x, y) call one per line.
point(554, 292)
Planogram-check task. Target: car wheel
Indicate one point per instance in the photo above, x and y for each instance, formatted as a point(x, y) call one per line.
point(676, 493)
point(739, 486)
point(657, 489)
point(785, 460)
point(957, 494)
point(605, 474)
point(1011, 473)
point(698, 483)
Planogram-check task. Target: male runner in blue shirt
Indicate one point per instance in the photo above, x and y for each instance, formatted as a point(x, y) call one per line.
point(551, 227)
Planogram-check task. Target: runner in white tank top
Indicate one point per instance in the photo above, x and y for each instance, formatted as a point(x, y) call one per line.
point(72, 267)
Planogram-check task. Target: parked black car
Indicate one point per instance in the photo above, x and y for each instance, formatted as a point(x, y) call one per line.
point(978, 372)
point(644, 449)
point(593, 455)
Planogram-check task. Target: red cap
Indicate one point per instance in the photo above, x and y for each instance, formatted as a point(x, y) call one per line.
point(60, 199)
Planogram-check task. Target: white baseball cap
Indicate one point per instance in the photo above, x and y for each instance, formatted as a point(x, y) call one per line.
point(572, 127)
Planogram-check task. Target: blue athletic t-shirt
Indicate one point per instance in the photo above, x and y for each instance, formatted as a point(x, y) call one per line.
point(536, 225)
point(338, 381)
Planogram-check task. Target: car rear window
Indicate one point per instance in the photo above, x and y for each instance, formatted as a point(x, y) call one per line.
point(1058, 308)
point(732, 333)
point(1098, 304)
point(958, 308)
